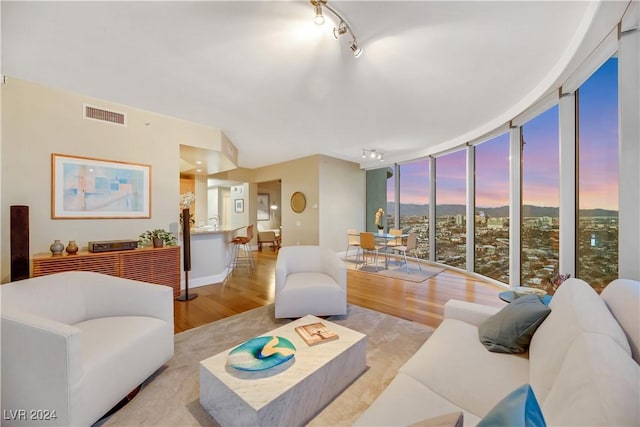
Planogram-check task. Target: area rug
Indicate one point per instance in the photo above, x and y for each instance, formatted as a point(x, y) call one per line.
point(397, 270)
point(171, 396)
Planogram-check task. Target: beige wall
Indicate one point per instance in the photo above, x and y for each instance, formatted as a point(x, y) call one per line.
point(38, 121)
point(342, 201)
point(296, 175)
point(334, 190)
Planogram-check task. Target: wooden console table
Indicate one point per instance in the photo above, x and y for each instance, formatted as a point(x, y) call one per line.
point(160, 266)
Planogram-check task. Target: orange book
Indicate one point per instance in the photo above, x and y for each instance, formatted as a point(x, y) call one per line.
point(316, 333)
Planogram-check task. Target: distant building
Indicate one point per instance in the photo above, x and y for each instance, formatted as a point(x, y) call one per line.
point(495, 223)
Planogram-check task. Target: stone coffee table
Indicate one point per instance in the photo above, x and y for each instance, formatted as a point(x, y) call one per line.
point(289, 394)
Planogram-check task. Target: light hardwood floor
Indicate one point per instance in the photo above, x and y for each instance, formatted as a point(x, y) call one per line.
point(420, 302)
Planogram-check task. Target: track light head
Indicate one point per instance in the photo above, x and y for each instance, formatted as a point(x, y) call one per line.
point(357, 51)
point(339, 30)
point(317, 8)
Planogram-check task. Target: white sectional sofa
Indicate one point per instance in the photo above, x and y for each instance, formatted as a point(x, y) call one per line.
point(310, 280)
point(74, 344)
point(582, 364)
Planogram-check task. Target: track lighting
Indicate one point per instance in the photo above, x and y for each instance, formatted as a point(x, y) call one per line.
point(342, 28)
point(339, 30)
point(372, 154)
point(319, 19)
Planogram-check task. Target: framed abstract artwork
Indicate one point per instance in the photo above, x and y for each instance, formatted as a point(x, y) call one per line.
point(263, 207)
point(239, 205)
point(89, 188)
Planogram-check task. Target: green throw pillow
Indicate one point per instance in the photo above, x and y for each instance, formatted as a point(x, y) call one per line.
point(510, 330)
point(519, 408)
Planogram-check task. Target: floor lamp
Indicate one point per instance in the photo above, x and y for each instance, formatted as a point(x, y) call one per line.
point(186, 251)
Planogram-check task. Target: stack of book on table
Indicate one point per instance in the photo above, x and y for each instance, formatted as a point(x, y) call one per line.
point(316, 333)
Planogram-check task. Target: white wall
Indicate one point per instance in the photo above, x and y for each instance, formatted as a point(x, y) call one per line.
point(38, 121)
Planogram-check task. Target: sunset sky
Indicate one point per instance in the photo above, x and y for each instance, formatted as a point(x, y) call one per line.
point(598, 158)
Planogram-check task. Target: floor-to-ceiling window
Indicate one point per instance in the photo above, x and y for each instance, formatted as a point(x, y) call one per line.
point(597, 233)
point(414, 202)
point(540, 199)
point(492, 208)
point(451, 209)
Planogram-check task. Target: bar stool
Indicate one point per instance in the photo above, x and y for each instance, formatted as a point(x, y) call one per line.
point(241, 243)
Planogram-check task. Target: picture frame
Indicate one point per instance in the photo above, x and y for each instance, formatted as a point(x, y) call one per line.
point(263, 207)
point(239, 205)
point(91, 188)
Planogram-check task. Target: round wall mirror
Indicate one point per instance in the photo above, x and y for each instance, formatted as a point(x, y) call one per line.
point(298, 202)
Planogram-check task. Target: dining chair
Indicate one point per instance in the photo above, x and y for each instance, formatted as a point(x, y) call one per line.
point(397, 241)
point(412, 245)
point(353, 239)
point(368, 245)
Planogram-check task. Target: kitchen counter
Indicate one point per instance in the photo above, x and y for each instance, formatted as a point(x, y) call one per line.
point(210, 254)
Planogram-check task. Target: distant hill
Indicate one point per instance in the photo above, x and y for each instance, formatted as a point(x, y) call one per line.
point(412, 209)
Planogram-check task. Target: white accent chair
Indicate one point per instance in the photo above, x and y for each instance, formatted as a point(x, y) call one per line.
point(77, 343)
point(310, 280)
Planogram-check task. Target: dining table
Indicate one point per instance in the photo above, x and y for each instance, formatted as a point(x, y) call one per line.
point(385, 238)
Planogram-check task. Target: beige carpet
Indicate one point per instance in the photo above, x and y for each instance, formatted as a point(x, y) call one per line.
point(170, 397)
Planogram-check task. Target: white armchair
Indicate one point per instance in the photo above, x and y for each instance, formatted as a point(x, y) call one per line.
point(310, 280)
point(77, 343)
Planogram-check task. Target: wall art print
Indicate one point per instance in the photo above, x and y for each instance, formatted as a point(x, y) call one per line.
point(89, 188)
point(239, 205)
point(263, 207)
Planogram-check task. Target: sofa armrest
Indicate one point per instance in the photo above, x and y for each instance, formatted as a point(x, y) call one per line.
point(107, 296)
point(468, 312)
point(41, 362)
point(336, 268)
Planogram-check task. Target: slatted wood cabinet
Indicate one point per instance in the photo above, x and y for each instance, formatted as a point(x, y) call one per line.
point(160, 266)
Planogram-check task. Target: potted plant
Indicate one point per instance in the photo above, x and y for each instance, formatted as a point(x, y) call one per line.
point(159, 237)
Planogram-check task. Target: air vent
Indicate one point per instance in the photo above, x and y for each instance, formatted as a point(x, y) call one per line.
point(104, 115)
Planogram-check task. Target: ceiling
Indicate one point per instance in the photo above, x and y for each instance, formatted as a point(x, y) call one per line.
point(433, 75)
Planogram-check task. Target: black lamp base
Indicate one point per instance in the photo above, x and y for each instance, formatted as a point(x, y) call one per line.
point(187, 296)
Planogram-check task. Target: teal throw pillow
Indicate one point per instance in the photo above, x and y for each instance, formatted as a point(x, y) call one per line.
point(510, 330)
point(520, 408)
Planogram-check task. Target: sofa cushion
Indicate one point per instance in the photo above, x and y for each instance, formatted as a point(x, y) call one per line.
point(119, 353)
point(575, 309)
point(453, 359)
point(598, 384)
point(454, 419)
point(406, 401)
point(622, 297)
point(518, 408)
point(510, 330)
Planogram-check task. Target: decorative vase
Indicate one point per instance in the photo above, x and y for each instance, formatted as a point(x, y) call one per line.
point(380, 231)
point(56, 247)
point(72, 247)
point(158, 242)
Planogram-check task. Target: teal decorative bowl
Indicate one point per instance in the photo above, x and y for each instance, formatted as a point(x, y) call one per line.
point(261, 353)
